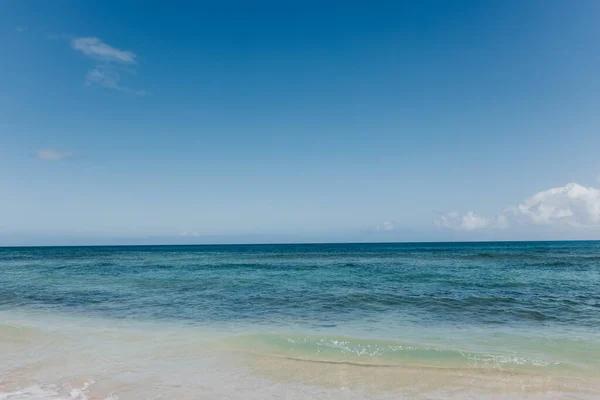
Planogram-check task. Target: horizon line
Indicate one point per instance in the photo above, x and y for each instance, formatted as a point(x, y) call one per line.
point(297, 243)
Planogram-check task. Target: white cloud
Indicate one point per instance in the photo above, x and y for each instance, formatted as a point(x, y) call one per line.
point(470, 221)
point(573, 205)
point(192, 234)
point(109, 78)
point(386, 226)
point(96, 48)
point(115, 62)
point(21, 29)
point(52, 154)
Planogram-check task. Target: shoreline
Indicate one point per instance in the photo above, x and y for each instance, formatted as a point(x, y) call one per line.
point(94, 357)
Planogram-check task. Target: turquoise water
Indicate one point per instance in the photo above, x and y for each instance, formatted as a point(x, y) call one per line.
point(552, 285)
point(531, 306)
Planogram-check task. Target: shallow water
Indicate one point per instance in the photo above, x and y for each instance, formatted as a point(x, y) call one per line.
point(476, 320)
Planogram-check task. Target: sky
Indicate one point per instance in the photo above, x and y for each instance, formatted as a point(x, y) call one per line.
point(251, 121)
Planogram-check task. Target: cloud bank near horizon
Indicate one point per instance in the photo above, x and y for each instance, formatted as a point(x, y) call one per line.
point(571, 205)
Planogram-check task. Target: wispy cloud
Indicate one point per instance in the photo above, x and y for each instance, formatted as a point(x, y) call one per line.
point(470, 221)
point(108, 77)
point(96, 48)
point(386, 226)
point(572, 205)
point(115, 62)
point(21, 29)
point(188, 234)
point(52, 155)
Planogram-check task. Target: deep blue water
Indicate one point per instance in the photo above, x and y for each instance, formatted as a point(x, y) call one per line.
point(376, 286)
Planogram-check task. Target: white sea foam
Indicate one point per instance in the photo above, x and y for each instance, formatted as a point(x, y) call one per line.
point(51, 392)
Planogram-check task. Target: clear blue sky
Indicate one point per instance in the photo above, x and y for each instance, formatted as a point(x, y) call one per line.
point(167, 122)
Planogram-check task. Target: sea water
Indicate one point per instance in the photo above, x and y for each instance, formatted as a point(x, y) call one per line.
point(423, 320)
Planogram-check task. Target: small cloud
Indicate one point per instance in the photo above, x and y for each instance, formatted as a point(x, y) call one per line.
point(470, 221)
point(386, 226)
point(21, 29)
point(109, 78)
point(96, 48)
point(188, 234)
point(52, 155)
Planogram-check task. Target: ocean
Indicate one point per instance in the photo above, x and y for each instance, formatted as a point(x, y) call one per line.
point(505, 320)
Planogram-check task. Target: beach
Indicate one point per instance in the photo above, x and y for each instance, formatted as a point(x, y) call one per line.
point(380, 321)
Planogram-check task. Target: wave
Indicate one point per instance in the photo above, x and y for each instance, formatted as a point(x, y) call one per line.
point(374, 352)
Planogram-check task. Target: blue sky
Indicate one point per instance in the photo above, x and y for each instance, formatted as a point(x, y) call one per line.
point(137, 122)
